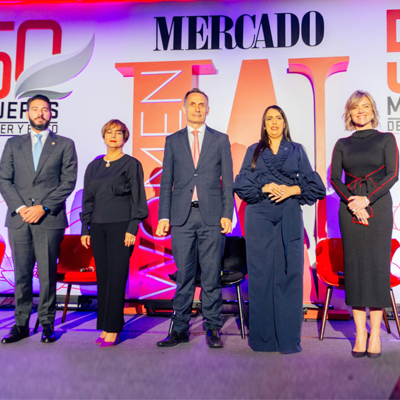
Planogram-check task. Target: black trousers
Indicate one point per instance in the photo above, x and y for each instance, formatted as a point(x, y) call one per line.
point(31, 243)
point(112, 266)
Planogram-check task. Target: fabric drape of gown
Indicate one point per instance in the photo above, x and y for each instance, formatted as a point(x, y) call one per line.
point(274, 243)
point(370, 161)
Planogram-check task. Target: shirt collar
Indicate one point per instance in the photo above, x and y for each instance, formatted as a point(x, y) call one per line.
point(44, 134)
point(201, 130)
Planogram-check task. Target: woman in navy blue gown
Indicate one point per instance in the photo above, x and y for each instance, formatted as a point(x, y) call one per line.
point(276, 178)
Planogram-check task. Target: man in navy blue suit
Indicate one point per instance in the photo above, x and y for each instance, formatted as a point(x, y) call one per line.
point(196, 199)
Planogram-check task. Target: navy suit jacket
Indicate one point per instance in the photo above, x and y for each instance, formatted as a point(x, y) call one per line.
point(213, 178)
point(49, 185)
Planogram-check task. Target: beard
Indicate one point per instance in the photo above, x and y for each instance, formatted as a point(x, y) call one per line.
point(40, 127)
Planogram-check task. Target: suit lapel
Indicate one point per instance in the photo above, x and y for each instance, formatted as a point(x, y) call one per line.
point(208, 138)
point(49, 146)
point(27, 150)
point(186, 144)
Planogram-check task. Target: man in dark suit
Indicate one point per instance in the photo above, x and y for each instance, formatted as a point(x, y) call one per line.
point(37, 174)
point(196, 199)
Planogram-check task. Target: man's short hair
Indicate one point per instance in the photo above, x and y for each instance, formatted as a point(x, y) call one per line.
point(39, 97)
point(194, 90)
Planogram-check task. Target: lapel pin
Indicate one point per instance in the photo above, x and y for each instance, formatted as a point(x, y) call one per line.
point(53, 143)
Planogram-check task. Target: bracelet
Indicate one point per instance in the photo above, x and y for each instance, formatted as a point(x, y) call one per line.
point(366, 199)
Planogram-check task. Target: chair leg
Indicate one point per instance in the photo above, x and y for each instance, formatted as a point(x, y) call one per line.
point(395, 313)
point(385, 318)
point(66, 301)
point(241, 316)
point(36, 326)
point(326, 308)
point(246, 315)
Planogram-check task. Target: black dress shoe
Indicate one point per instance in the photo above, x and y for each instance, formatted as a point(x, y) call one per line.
point(16, 334)
point(213, 339)
point(48, 335)
point(375, 355)
point(173, 339)
point(360, 354)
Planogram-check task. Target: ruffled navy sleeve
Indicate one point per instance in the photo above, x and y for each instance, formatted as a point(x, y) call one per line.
point(309, 181)
point(248, 184)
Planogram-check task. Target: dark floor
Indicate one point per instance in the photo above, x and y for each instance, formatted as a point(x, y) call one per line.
point(75, 368)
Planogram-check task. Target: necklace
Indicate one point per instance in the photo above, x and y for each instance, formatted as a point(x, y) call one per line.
point(119, 155)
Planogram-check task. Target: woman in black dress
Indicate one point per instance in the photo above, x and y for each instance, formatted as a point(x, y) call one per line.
point(276, 178)
point(369, 160)
point(113, 205)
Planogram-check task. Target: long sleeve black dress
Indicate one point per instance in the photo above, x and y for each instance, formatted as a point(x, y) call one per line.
point(114, 202)
point(275, 244)
point(370, 161)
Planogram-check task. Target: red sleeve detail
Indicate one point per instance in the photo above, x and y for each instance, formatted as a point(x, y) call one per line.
point(351, 175)
point(394, 175)
point(339, 190)
point(383, 166)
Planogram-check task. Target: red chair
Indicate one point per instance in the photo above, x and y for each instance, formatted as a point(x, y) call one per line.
point(330, 270)
point(2, 249)
point(74, 257)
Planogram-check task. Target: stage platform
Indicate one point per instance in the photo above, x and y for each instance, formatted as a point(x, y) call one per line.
point(75, 368)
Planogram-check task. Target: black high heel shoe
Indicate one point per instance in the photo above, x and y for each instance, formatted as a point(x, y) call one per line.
point(359, 354)
point(375, 355)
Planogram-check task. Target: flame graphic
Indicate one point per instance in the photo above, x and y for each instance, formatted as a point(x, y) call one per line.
point(53, 71)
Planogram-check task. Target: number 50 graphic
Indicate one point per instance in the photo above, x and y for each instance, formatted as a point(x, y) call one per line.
point(20, 48)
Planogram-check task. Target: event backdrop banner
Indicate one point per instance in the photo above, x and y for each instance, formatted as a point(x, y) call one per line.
point(135, 61)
